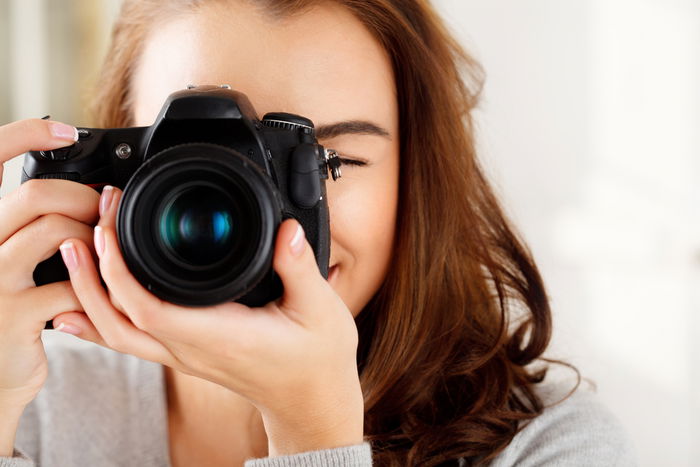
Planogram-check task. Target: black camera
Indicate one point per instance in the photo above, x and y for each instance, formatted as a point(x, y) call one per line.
point(205, 190)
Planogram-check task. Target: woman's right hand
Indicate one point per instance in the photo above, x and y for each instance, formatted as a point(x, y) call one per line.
point(34, 220)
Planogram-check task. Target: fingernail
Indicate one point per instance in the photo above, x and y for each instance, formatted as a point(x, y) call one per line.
point(99, 240)
point(69, 328)
point(63, 131)
point(297, 243)
point(106, 198)
point(70, 256)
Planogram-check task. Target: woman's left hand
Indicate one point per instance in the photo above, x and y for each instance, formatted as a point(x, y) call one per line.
point(294, 359)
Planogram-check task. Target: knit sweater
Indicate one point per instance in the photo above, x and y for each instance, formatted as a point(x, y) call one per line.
point(102, 408)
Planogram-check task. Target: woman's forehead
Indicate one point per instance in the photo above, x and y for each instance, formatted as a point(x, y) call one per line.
point(322, 63)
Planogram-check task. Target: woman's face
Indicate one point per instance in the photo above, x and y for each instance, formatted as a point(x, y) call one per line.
point(322, 64)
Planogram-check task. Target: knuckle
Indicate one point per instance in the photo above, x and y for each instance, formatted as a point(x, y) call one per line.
point(117, 306)
point(32, 192)
point(142, 318)
point(39, 128)
point(307, 260)
point(115, 339)
point(52, 223)
point(65, 289)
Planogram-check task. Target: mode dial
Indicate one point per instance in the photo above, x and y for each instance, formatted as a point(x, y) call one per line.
point(288, 122)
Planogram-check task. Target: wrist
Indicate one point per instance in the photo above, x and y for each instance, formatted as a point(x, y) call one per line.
point(9, 421)
point(313, 434)
point(316, 424)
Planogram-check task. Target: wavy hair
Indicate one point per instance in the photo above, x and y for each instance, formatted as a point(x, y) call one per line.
point(446, 343)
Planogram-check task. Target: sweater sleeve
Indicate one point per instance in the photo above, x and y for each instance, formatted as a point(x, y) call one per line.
point(18, 459)
point(577, 431)
point(359, 455)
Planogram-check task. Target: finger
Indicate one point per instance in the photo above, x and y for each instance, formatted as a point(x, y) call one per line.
point(295, 263)
point(34, 135)
point(36, 242)
point(114, 327)
point(78, 324)
point(168, 322)
point(41, 304)
point(115, 303)
point(143, 308)
point(36, 198)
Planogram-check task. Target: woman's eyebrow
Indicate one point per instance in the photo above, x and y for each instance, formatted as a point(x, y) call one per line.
point(350, 127)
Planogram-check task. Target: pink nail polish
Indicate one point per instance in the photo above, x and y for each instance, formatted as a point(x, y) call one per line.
point(63, 131)
point(297, 243)
point(70, 256)
point(69, 328)
point(99, 239)
point(106, 199)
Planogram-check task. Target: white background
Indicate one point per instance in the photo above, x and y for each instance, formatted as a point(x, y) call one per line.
point(589, 126)
point(589, 129)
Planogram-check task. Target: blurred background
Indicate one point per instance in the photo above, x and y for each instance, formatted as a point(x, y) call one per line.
point(588, 127)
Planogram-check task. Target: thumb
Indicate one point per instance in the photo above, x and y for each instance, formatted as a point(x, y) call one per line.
point(296, 265)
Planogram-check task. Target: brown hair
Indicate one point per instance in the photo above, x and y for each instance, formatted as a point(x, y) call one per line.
point(446, 343)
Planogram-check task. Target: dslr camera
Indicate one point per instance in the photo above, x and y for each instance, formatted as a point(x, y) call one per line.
point(205, 190)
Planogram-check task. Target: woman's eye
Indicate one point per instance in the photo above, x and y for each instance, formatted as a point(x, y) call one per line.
point(346, 161)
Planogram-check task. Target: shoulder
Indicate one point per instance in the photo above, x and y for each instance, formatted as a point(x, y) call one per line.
point(578, 430)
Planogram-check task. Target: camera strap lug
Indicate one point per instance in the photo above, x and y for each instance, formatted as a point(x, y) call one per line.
point(332, 163)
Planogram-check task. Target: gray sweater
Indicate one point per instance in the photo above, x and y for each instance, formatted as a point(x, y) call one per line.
point(103, 408)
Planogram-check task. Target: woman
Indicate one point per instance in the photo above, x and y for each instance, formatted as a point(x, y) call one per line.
point(449, 308)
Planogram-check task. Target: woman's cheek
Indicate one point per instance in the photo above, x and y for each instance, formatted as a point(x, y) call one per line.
point(363, 213)
point(360, 211)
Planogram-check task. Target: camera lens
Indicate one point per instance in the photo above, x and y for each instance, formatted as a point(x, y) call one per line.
point(197, 225)
point(197, 222)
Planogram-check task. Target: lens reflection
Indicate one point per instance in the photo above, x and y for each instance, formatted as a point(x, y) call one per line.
point(197, 225)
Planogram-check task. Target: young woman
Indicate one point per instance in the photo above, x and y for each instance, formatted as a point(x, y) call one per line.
point(417, 350)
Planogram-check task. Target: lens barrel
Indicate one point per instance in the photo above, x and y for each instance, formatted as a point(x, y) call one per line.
point(197, 223)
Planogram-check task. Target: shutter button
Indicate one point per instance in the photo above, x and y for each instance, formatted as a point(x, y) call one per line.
point(69, 152)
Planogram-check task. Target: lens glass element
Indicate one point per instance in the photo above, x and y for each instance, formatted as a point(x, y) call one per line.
point(200, 225)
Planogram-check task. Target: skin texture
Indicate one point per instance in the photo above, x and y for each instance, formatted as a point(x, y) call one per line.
point(34, 220)
point(295, 386)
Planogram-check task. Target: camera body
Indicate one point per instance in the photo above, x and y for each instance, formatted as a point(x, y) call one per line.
point(205, 190)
